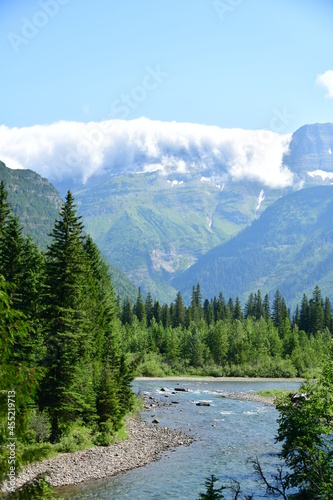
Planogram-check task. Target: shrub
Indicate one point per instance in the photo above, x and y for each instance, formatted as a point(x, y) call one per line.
point(77, 438)
point(40, 426)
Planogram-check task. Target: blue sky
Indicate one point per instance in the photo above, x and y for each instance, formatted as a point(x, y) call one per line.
point(230, 63)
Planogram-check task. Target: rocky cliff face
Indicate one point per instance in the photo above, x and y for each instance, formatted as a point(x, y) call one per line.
point(311, 149)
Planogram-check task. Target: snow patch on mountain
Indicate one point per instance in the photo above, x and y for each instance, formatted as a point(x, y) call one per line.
point(321, 173)
point(175, 183)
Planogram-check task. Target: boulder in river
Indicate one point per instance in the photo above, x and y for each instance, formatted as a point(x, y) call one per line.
point(203, 403)
point(155, 421)
point(182, 389)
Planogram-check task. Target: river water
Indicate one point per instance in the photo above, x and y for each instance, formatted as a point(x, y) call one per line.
point(227, 433)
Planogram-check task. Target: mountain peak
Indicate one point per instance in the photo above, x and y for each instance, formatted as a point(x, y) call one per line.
point(311, 149)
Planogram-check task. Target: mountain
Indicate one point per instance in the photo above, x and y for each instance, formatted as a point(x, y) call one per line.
point(310, 150)
point(153, 226)
point(290, 248)
point(34, 199)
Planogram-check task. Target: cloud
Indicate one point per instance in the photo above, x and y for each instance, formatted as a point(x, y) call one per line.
point(76, 151)
point(326, 80)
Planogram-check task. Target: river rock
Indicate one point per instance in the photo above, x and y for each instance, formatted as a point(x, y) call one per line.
point(203, 404)
point(144, 445)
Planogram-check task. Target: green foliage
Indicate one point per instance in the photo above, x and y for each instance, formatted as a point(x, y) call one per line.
point(40, 426)
point(152, 365)
point(222, 343)
point(75, 438)
point(305, 430)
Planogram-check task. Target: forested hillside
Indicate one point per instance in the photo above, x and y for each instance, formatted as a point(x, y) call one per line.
point(290, 248)
point(34, 199)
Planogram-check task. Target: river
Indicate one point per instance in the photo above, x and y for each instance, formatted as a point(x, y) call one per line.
point(228, 433)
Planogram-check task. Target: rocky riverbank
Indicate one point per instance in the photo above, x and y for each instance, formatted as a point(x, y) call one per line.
point(251, 396)
point(145, 444)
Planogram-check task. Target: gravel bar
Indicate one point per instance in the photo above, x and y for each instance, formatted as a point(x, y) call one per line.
point(144, 445)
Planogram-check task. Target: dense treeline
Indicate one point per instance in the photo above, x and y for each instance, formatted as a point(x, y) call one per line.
point(60, 344)
point(218, 337)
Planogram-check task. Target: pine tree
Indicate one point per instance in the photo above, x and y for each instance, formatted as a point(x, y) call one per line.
point(250, 307)
point(230, 308)
point(267, 308)
point(212, 493)
point(5, 207)
point(178, 318)
point(15, 374)
point(258, 306)
point(304, 315)
point(208, 311)
point(67, 390)
point(222, 308)
point(11, 250)
point(139, 307)
point(149, 308)
point(165, 316)
point(279, 310)
point(127, 313)
point(316, 311)
point(112, 376)
point(328, 314)
point(237, 310)
point(157, 312)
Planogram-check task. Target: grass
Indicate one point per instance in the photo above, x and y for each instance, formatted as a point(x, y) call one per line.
point(269, 393)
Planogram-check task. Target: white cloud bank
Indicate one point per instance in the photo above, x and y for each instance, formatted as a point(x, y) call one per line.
point(72, 150)
point(326, 80)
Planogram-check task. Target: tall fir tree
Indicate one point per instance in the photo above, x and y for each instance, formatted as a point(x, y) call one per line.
point(5, 207)
point(67, 390)
point(304, 315)
point(179, 313)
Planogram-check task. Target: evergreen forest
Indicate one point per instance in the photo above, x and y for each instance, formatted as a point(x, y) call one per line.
point(63, 369)
point(218, 337)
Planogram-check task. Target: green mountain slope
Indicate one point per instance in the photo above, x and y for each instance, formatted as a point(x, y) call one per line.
point(34, 199)
point(290, 247)
point(152, 226)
